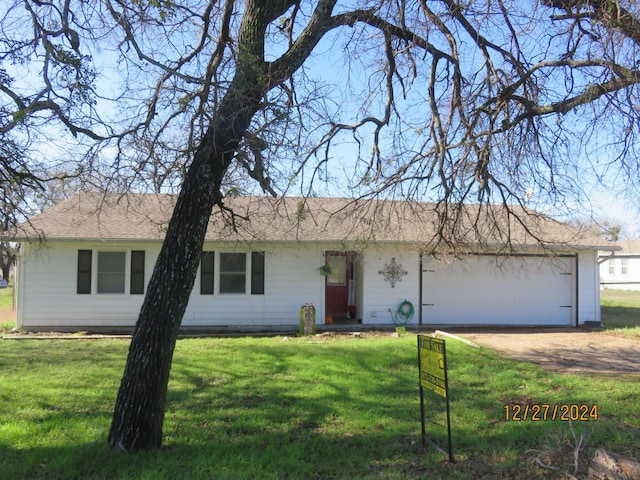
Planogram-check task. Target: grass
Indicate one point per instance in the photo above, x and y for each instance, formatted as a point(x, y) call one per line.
point(306, 408)
point(7, 315)
point(621, 311)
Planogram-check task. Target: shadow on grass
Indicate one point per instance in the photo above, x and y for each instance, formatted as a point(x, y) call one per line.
point(303, 453)
point(290, 410)
point(620, 317)
point(276, 456)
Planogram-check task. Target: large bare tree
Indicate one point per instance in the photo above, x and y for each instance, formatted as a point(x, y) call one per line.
point(494, 101)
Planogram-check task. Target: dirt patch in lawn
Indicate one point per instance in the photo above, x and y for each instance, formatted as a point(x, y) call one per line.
point(564, 351)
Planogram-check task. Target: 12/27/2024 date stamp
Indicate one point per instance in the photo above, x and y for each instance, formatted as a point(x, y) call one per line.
point(542, 412)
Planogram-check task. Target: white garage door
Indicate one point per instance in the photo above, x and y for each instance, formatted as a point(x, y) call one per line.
point(490, 290)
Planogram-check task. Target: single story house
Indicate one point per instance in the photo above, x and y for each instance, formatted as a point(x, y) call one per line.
point(370, 262)
point(621, 269)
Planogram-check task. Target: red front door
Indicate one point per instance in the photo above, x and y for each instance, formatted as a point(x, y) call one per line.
point(337, 283)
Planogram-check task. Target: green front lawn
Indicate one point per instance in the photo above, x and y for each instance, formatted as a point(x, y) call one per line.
point(7, 315)
point(6, 298)
point(301, 408)
point(621, 311)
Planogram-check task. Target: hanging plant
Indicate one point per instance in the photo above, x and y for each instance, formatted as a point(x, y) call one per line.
point(325, 270)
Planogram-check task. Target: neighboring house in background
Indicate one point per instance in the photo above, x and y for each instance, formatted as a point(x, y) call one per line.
point(100, 251)
point(621, 269)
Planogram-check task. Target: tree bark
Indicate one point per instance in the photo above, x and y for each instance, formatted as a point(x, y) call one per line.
point(6, 271)
point(139, 411)
point(611, 466)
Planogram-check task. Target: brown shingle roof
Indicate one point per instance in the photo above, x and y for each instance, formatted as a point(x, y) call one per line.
point(629, 247)
point(146, 216)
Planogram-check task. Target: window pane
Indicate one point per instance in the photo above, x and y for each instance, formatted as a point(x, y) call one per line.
point(338, 267)
point(111, 272)
point(233, 262)
point(233, 272)
point(624, 266)
point(232, 283)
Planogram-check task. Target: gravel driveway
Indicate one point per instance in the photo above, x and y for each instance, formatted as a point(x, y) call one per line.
point(565, 351)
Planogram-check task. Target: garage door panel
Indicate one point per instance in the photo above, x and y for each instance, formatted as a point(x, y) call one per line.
point(498, 291)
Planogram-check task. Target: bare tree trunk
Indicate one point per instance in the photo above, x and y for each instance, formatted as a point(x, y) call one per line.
point(6, 271)
point(7, 259)
point(140, 405)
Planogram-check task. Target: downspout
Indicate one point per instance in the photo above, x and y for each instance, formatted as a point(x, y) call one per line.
point(18, 290)
point(577, 285)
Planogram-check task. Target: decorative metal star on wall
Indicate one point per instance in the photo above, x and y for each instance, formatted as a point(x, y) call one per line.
point(392, 272)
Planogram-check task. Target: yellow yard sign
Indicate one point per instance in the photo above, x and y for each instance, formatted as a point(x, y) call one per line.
point(433, 374)
point(432, 368)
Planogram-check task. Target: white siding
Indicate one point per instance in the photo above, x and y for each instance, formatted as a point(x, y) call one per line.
point(47, 288)
point(291, 280)
point(588, 288)
point(47, 295)
point(47, 292)
point(617, 278)
point(379, 295)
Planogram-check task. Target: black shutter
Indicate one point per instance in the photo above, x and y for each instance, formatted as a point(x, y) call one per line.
point(257, 273)
point(84, 272)
point(206, 273)
point(137, 272)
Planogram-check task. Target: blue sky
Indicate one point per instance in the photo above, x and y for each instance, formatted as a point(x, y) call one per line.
point(607, 201)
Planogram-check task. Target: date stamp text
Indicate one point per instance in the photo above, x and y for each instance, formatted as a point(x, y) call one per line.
point(542, 412)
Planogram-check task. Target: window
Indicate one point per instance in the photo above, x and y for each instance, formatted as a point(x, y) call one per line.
point(612, 267)
point(337, 270)
point(624, 266)
point(233, 272)
point(84, 272)
point(206, 273)
point(111, 272)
